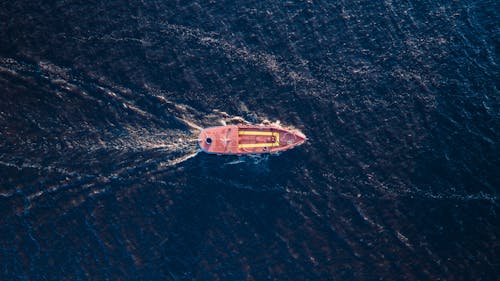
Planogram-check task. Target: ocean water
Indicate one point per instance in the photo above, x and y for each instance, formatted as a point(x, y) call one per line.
point(101, 104)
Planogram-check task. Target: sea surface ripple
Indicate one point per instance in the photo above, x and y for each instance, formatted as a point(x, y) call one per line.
point(101, 104)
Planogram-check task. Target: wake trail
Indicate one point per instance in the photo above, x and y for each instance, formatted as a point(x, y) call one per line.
point(179, 160)
point(80, 159)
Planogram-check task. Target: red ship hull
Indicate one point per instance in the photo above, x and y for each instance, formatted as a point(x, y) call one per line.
point(248, 139)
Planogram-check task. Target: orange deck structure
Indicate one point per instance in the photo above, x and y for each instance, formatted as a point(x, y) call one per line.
point(248, 139)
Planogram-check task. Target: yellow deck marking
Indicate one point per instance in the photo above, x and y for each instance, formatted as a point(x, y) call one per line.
point(276, 136)
point(256, 133)
point(255, 145)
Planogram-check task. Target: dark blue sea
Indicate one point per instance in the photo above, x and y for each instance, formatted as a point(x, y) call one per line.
point(101, 103)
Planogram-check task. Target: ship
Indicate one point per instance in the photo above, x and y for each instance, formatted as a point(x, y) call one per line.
point(249, 139)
